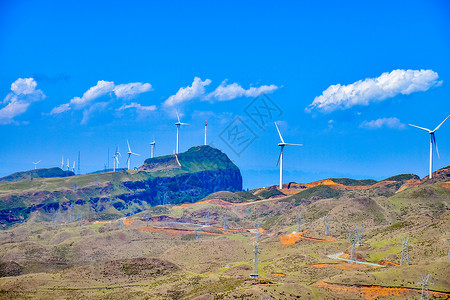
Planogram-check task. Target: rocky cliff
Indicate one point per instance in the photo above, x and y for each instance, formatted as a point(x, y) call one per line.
point(186, 177)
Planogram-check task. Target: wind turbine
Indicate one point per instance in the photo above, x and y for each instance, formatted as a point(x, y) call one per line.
point(432, 140)
point(68, 165)
point(73, 167)
point(280, 157)
point(116, 158)
point(62, 162)
point(152, 144)
point(178, 131)
point(129, 155)
point(35, 163)
point(114, 162)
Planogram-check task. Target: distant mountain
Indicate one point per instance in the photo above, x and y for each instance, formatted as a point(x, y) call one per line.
point(38, 173)
point(171, 179)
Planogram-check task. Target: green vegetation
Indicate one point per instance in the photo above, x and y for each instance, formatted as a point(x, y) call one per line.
point(402, 177)
point(354, 182)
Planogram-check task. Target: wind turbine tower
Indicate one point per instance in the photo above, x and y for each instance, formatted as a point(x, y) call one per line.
point(35, 164)
point(432, 140)
point(68, 165)
point(152, 144)
point(178, 132)
point(206, 126)
point(280, 157)
point(129, 155)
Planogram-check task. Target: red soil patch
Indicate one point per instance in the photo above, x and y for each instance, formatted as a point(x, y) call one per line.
point(279, 274)
point(128, 222)
point(340, 266)
point(218, 202)
point(446, 185)
point(291, 239)
point(173, 231)
point(388, 263)
point(374, 292)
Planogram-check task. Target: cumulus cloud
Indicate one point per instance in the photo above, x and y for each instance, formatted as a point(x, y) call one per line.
point(226, 92)
point(137, 106)
point(60, 109)
point(196, 90)
point(130, 90)
point(23, 93)
point(102, 88)
point(364, 92)
point(392, 123)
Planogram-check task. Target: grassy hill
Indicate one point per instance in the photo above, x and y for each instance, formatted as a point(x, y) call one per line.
point(155, 253)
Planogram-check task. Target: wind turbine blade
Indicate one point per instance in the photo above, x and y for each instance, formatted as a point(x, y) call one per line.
point(135, 154)
point(128, 146)
point(435, 145)
point(279, 156)
point(420, 127)
point(441, 124)
point(279, 132)
point(184, 124)
point(294, 144)
point(178, 117)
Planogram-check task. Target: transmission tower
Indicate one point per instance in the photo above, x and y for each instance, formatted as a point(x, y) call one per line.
point(258, 233)
point(207, 218)
point(405, 254)
point(147, 219)
point(359, 233)
point(225, 222)
point(96, 180)
point(326, 223)
point(353, 240)
point(256, 251)
point(425, 282)
point(197, 235)
point(74, 187)
point(448, 252)
point(299, 222)
point(71, 212)
point(120, 223)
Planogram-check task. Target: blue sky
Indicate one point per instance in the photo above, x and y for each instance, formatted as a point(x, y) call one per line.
point(345, 76)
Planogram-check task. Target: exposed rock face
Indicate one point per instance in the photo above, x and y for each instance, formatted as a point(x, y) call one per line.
point(185, 178)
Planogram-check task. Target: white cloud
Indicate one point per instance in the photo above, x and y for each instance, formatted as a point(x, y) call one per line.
point(103, 87)
point(196, 90)
point(226, 92)
point(137, 106)
point(129, 90)
point(364, 92)
point(23, 93)
point(60, 109)
point(392, 123)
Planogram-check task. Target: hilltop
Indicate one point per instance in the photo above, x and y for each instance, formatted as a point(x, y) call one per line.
point(38, 173)
point(186, 177)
